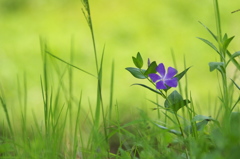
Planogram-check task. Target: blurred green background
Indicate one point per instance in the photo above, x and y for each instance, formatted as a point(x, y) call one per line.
point(125, 27)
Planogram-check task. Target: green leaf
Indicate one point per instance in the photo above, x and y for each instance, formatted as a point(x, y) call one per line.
point(210, 44)
point(225, 37)
point(200, 126)
point(201, 117)
point(151, 89)
point(139, 58)
point(226, 42)
point(151, 68)
point(214, 36)
point(138, 61)
point(136, 72)
point(238, 87)
point(233, 56)
point(180, 75)
point(235, 62)
point(175, 101)
point(216, 65)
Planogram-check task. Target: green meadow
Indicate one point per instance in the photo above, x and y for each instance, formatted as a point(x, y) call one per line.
point(65, 91)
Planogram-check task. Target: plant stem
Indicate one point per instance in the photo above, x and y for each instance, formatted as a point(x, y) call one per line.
point(222, 51)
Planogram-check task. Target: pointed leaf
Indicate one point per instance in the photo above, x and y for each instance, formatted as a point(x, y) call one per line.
point(176, 106)
point(180, 75)
point(227, 42)
point(233, 56)
point(151, 89)
point(151, 68)
point(214, 36)
point(235, 62)
point(215, 65)
point(238, 87)
point(225, 37)
point(135, 62)
point(175, 101)
point(139, 58)
point(210, 44)
point(138, 61)
point(136, 72)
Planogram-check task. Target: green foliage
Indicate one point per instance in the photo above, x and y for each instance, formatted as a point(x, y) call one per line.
point(151, 68)
point(216, 65)
point(180, 75)
point(136, 72)
point(175, 102)
point(138, 61)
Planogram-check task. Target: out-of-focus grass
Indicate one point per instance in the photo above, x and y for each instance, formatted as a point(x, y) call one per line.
point(125, 27)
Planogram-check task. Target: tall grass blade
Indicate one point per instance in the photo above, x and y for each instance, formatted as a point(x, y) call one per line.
point(44, 83)
point(111, 93)
point(70, 64)
point(89, 21)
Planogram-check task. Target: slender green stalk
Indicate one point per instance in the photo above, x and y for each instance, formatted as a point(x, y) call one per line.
point(70, 83)
point(111, 94)
point(99, 105)
point(223, 52)
point(75, 145)
point(218, 22)
point(90, 24)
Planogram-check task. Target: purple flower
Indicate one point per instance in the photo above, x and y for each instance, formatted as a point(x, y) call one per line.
point(164, 79)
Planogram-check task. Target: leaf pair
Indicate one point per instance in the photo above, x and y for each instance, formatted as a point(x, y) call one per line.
point(225, 41)
point(139, 72)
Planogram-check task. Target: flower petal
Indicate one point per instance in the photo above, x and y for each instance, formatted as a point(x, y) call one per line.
point(171, 82)
point(154, 77)
point(160, 85)
point(161, 70)
point(171, 72)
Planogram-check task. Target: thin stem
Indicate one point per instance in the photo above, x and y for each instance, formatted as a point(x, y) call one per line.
point(180, 127)
point(89, 21)
point(218, 22)
point(222, 58)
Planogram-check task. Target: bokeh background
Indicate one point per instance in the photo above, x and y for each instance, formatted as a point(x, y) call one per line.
point(155, 28)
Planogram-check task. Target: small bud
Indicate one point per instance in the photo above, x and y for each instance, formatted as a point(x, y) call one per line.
point(149, 62)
